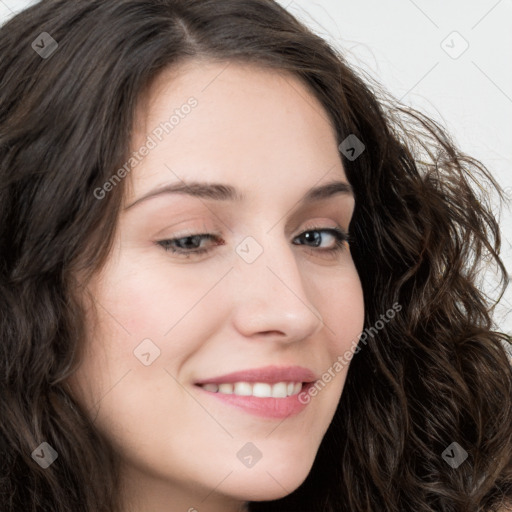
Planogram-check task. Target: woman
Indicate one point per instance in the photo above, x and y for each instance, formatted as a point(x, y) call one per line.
point(234, 280)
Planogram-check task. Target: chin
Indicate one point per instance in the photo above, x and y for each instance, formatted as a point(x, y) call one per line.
point(267, 484)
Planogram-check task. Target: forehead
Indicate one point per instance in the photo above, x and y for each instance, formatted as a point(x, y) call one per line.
point(250, 125)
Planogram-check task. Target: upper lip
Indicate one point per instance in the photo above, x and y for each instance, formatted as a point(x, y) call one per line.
point(269, 374)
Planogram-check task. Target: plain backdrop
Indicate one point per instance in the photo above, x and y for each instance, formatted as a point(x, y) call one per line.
point(452, 60)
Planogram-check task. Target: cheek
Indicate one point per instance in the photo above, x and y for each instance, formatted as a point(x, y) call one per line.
point(343, 314)
point(147, 301)
point(343, 311)
point(140, 310)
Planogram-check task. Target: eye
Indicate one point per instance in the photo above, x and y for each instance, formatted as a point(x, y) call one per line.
point(191, 244)
point(335, 235)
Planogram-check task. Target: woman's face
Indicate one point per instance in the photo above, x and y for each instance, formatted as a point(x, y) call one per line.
point(270, 297)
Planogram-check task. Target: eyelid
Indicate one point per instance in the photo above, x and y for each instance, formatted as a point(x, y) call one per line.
point(312, 226)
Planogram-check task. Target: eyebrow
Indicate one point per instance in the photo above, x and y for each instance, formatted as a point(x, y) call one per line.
point(222, 192)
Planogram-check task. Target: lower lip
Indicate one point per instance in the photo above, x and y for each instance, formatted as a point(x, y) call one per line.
point(265, 407)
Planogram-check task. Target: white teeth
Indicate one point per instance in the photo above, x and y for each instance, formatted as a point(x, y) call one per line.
point(243, 389)
point(258, 389)
point(262, 389)
point(279, 390)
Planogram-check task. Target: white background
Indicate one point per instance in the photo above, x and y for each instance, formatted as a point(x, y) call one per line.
point(406, 46)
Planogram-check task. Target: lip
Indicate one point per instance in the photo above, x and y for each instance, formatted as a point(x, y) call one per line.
point(269, 374)
point(272, 408)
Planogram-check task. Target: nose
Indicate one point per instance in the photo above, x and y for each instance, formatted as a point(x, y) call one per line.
point(270, 295)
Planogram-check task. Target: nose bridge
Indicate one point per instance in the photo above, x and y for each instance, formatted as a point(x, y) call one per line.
point(270, 294)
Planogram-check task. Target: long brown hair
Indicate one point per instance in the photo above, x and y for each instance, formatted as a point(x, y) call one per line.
point(422, 232)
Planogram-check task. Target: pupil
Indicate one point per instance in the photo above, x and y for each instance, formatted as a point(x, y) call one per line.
point(191, 241)
point(313, 236)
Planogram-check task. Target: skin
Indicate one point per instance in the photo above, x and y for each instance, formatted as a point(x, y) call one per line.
point(262, 132)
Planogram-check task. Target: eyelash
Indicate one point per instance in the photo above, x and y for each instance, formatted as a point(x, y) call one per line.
point(340, 235)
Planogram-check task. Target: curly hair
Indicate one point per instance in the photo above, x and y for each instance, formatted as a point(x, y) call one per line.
point(423, 233)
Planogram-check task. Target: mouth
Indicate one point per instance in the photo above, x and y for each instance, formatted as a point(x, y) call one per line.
point(258, 389)
point(271, 392)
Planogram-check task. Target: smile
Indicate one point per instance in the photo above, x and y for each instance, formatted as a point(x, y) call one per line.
point(258, 389)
